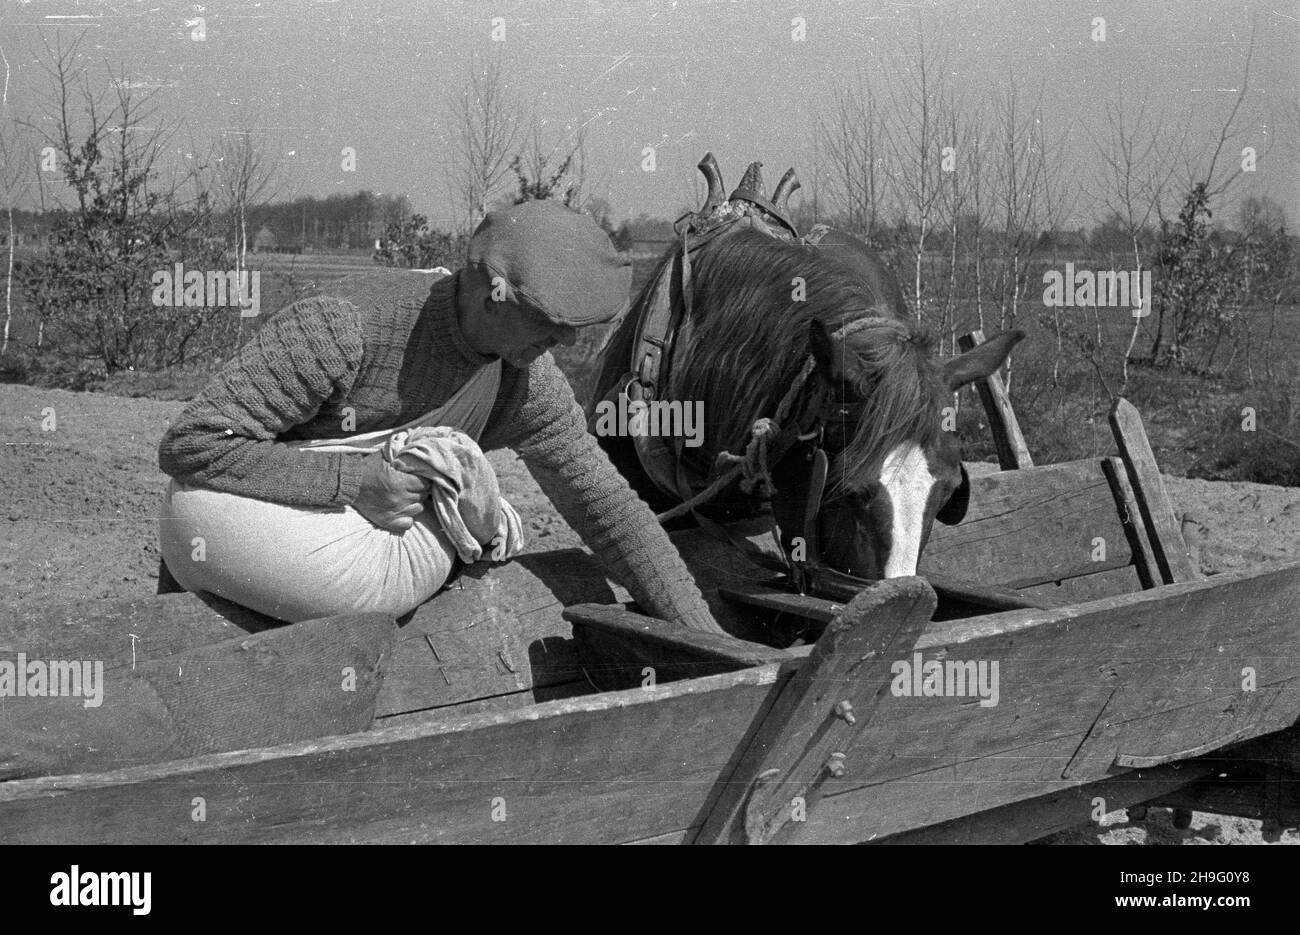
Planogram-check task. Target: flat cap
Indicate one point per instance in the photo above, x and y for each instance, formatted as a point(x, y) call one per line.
point(555, 260)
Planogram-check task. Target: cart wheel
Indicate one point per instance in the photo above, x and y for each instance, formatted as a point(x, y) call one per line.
point(1182, 818)
point(1137, 813)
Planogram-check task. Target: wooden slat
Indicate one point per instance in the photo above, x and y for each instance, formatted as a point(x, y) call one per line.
point(1031, 526)
point(621, 766)
point(498, 629)
point(821, 709)
point(620, 648)
point(1112, 582)
point(985, 598)
point(1144, 558)
point(1153, 499)
point(785, 602)
point(1010, 442)
point(121, 630)
point(311, 679)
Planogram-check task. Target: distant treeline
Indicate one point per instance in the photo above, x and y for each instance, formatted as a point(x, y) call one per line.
point(356, 221)
point(336, 222)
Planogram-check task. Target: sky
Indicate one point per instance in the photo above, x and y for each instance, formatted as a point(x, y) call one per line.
point(682, 77)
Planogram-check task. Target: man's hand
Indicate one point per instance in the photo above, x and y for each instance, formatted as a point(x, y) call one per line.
point(389, 498)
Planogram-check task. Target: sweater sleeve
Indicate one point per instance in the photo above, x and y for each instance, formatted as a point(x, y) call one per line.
point(540, 419)
point(225, 438)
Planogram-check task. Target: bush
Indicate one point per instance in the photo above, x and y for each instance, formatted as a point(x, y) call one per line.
point(1268, 454)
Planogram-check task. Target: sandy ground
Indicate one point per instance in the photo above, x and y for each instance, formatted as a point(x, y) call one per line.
point(79, 487)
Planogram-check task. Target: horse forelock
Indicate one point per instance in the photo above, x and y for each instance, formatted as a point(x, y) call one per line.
point(901, 394)
point(750, 321)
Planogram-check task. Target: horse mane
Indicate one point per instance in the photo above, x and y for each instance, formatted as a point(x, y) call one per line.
point(746, 323)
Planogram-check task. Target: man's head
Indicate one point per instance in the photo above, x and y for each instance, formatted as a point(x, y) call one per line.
point(537, 272)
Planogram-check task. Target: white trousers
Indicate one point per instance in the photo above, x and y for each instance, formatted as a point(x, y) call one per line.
point(298, 564)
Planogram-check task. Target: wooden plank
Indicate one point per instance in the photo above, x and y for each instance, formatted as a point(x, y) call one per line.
point(647, 762)
point(1113, 582)
point(1157, 510)
point(983, 598)
point(621, 766)
point(1179, 650)
point(496, 630)
point(821, 709)
point(307, 680)
point(1031, 526)
point(784, 602)
point(621, 649)
point(1130, 515)
point(119, 631)
point(1013, 453)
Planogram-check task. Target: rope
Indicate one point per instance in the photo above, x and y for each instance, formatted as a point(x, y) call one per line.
point(752, 466)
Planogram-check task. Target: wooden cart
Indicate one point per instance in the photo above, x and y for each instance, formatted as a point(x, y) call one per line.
point(528, 704)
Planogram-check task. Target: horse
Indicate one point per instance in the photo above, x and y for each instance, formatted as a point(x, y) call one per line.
point(801, 351)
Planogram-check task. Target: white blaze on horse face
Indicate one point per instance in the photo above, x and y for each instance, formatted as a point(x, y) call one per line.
point(907, 481)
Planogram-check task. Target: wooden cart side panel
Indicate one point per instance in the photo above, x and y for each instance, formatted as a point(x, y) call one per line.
point(644, 763)
point(1143, 675)
point(1031, 527)
point(617, 767)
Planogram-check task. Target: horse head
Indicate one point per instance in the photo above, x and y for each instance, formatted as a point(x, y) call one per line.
point(893, 470)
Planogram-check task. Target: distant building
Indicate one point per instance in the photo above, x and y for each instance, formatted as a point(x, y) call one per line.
point(1062, 241)
point(264, 241)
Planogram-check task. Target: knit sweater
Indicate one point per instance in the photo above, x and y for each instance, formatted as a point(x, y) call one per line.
point(380, 350)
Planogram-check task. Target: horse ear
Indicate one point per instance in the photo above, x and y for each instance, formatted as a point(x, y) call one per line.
point(822, 347)
point(981, 360)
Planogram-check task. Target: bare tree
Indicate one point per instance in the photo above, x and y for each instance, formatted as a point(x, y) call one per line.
point(1218, 177)
point(913, 133)
point(1138, 161)
point(14, 155)
point(1020, 153)
point(245, 165)
point(851, 142)
point(484, 129)
point(959, 136)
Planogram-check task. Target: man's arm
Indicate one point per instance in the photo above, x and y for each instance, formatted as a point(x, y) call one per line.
point(539, 418)
point(225, 438)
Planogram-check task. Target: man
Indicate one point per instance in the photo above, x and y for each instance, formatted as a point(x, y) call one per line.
point(269, 505)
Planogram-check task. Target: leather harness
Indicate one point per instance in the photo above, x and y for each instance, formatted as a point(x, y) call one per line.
point(803, 479)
